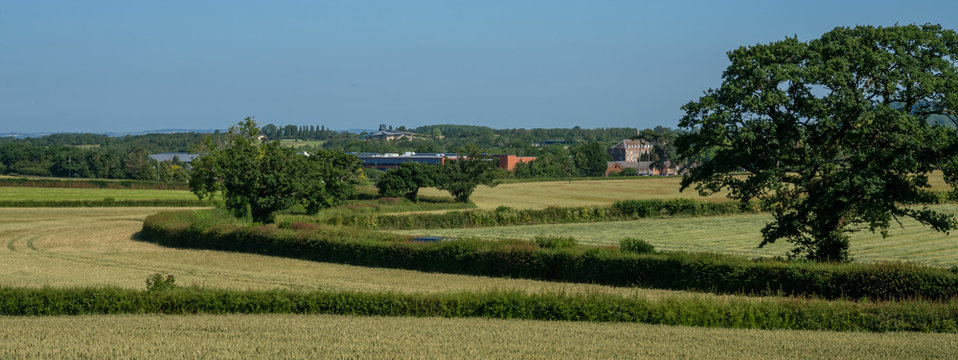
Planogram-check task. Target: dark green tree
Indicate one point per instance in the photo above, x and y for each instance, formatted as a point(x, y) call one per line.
point(327, 179)
point(259, 179)
point(462, 175)
point(833, 134)
point(591, 159)
point(406, 180)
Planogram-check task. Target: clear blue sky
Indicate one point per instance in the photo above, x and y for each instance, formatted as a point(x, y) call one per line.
point(97, 66)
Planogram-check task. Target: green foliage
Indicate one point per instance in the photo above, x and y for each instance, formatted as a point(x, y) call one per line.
point(259, 179)
point(629, 172)
point(591, 159)
point(327, 179)
point(505, 216)
point(157, 282)
point(92, 184)
point(833, 135)
point(804, 315)
point(524, 259)
point(462, 175)
point(636, 245)
point(405, 180)
point(555, 242)
point(110, 202)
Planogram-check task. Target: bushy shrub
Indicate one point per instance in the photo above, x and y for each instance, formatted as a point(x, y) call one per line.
point(635, 245)
point(555, 242)
point(157, 282)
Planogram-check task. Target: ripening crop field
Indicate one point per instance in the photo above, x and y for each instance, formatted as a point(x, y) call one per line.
point(80, 247)
point(84, 247)
point(331, 336)
point(537, 195)
point(735, 234)
point(60, 194)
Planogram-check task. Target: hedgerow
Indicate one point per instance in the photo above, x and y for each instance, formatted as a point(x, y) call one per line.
point(733, 313)
point(91, 184)
point(110, 202)
point(505, 216)
point(526, 259)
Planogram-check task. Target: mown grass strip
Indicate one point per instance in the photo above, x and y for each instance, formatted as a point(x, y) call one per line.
point(796, 314)
point(111, 203)
point(91, 184)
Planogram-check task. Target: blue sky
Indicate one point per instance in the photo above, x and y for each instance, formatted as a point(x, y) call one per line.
point(99, 66)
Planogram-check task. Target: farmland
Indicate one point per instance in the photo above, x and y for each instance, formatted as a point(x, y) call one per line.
point(66, 194)
point(735, 234)
point(99, 247)
point(96, 247)
point(537, 195)
point(329, 336)
point(297, 143)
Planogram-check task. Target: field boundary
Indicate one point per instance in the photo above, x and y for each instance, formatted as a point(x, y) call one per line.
point(795, 315)
point(526, 259)
point(91, 184)
point(111, 203)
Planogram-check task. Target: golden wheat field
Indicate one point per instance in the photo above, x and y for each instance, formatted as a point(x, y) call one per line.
point(330, 336)
point(70, 247)
point(79, 247)
point(537, 195)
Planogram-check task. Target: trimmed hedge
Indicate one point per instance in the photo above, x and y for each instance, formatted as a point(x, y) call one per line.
point(109, 202)
point(525, 259)
point(505, 216)
point(734, 313)
point(92, 184)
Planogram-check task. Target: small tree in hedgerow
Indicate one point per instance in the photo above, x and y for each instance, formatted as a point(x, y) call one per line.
point(462, 175)
point(833, 135)
point(406, 180)
point(257, 180)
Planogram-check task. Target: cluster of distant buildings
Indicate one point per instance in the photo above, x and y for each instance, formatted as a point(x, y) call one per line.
point(392, 160)
point(627, 154)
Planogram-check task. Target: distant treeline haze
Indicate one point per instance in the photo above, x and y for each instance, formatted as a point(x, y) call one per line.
point(127, 157)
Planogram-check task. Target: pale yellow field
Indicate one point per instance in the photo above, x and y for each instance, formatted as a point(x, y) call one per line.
point(329, 336)
point(76, 247)
point(537, 195)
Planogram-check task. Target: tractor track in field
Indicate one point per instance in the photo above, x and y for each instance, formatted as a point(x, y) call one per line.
point(35, 246)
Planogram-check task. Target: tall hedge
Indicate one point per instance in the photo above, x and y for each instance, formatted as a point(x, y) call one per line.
point(505, 216)
point(525, 259)
point(734, 313)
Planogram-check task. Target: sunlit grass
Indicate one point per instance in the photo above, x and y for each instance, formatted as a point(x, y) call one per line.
point(537, 195)
point(736, 234)
point(60, 194)
point(330, 336)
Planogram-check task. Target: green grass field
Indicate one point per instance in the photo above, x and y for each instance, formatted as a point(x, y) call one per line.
point(329, 336)
point(297, 143)
point(738, 234)
point(35, 193)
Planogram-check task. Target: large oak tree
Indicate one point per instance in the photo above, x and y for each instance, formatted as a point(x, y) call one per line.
point(834, 135)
